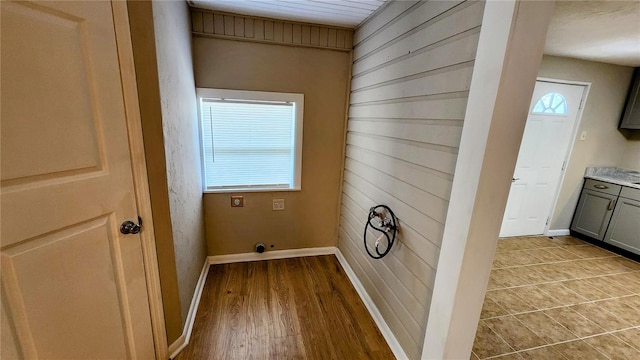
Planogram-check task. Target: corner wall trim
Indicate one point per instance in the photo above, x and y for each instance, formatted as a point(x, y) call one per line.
point(559, 232)
point(395, 346)
point(270, 255)
point(182, 341)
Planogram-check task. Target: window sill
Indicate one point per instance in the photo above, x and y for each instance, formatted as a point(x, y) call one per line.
point(245, 190)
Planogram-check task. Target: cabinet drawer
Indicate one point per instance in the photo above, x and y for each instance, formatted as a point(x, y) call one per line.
point(602, 186)
point(630, 193)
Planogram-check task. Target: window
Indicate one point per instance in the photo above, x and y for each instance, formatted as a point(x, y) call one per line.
point(551, 103)
point(250, 140)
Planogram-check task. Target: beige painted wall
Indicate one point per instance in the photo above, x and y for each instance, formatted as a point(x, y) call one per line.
point(631, 156)
point(144, 52)
point(182, 148)
point(605, 144)
point(310, 215)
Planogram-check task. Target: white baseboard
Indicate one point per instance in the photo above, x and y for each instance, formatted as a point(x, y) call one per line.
point(183, 340)
point(559, 232)
point(270, 255)
point(397, 350)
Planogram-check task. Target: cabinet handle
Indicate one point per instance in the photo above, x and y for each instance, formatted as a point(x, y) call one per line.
point(602, 187)
point(612, 204)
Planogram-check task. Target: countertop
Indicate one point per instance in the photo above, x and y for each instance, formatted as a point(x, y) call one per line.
point(624, 177)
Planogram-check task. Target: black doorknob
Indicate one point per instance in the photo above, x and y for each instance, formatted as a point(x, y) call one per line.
point(129, 227)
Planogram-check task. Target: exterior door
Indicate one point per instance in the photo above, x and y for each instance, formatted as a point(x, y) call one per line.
point(547, 136)
point(73, 286)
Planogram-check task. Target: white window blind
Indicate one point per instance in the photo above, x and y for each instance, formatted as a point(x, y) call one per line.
point(248, 144)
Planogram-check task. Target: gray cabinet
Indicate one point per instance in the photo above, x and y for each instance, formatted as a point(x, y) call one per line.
point(624, 228)
point(593, 213)
point(631, 116)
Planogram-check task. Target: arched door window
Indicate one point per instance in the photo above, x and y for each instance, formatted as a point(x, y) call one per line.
point(551, 103)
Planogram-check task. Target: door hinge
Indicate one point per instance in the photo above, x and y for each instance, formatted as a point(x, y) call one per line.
point(581, 101)
point(547, 221)
point(564, 163)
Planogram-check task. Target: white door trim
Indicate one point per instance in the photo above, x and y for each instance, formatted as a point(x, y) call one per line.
point(140, 180)
point(574, 133)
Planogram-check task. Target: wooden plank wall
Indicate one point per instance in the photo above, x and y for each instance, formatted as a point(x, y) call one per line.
point(248, 28)
point(412, 68)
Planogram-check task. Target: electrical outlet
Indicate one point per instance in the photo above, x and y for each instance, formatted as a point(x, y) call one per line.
point(237, 201)
point(278, 204)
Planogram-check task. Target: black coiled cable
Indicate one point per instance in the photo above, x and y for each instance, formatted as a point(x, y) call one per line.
point(386, 226)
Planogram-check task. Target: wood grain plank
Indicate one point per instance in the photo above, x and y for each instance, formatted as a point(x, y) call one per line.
point(340, 39)
point(429, 158)
point(207, 23)
point(248, 28)
point(424, 132)
point(348, 40)
point(315, 35)
point(459, 22)
point(429, 108)
point(451, 79)
point(459, 51)
point(287, 35)
point(310, 315)
point(218, 24)
point(323, 37)
point(297, 33)
point(277, 31)
point(196, 21)
point(305, 34)
point(332, 38)
point(418, 16)
point(303, 308)
point(258, 29)
point(238, 25)
point(229, 25)
point(268, 30)
point(382, 18)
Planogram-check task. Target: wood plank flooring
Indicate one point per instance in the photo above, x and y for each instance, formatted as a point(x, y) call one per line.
point(301, 308)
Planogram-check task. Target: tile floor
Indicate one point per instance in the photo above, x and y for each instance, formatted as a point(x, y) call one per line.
point(559, 298)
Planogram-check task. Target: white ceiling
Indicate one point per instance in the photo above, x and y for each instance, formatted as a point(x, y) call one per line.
point(604, 31)
point(347, 13)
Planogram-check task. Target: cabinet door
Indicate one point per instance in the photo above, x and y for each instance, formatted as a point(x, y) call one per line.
point(593, 213)
point(624, 229)
point(631, 117)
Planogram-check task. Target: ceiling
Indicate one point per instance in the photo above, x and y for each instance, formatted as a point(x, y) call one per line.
point(346, 13)
point(604, 31)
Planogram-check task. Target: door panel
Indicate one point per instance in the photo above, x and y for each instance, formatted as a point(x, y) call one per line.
point(624, 229)
point(593, 213)
point(74, 286)
point(545, 144)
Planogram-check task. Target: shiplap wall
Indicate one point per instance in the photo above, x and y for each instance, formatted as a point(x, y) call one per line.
point(248, 28)
point(412, 68)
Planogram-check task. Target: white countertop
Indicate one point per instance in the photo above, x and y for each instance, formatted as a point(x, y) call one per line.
point(624, 177)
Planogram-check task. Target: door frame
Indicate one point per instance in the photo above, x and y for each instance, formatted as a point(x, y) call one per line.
point(140, 179)
point(572, 140)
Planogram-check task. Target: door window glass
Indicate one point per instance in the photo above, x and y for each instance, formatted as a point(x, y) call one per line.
point(551, 103)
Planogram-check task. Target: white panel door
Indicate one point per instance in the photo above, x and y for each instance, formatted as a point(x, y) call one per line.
point(547, 136)
point(73, 286)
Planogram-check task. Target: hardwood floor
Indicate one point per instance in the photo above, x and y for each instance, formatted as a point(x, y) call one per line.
point(301, 308)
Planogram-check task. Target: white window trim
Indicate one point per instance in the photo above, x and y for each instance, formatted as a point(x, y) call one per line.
point(297, 99)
